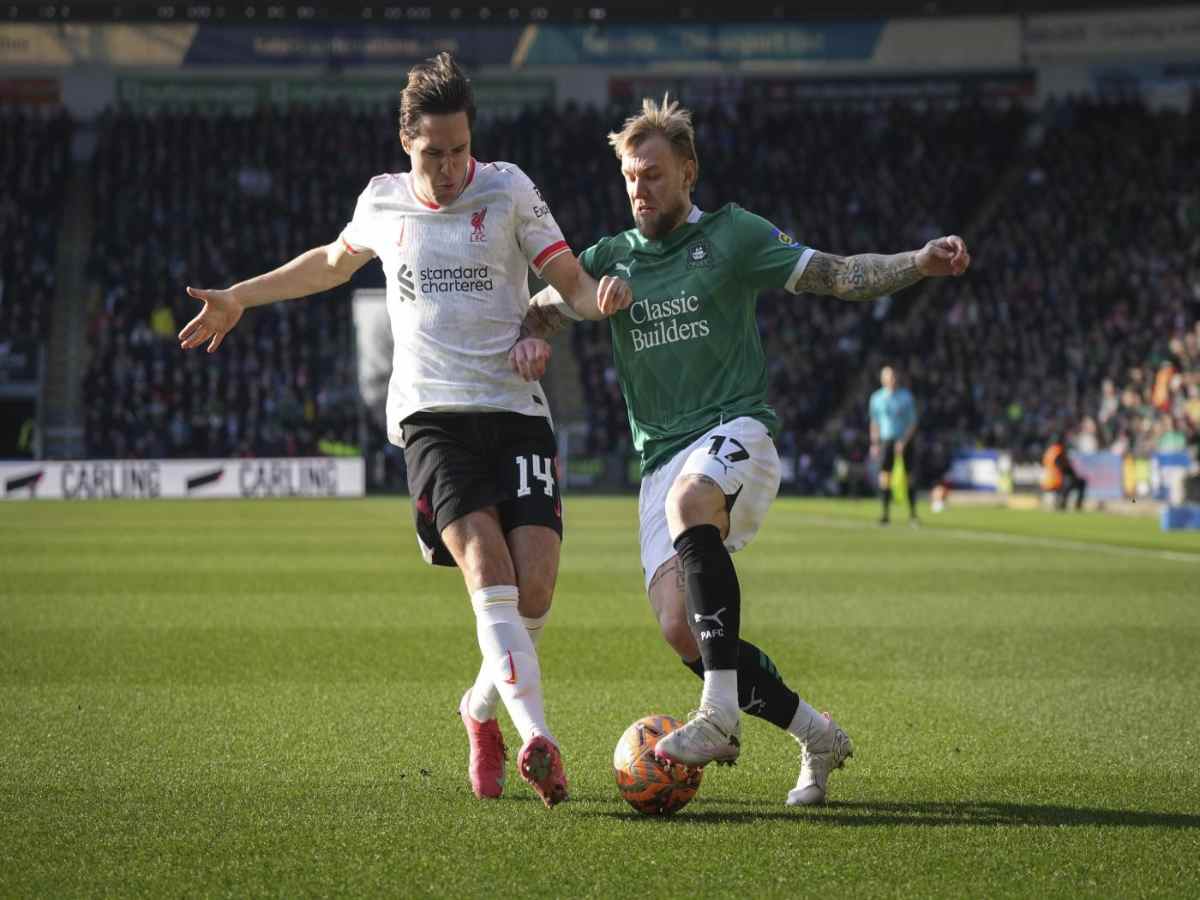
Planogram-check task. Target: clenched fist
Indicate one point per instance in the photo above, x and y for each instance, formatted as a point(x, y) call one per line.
point(529, 357)
point(613, 294)
point(943, 256)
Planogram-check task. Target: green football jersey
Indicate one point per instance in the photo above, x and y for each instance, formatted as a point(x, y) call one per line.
point(687, 350)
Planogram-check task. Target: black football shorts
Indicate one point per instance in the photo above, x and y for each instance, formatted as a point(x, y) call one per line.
point(889, 459)
point(462, 462)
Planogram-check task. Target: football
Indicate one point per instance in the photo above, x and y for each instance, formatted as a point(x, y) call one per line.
point(649, 785)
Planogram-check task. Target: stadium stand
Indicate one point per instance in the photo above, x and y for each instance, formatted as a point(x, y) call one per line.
point(209, 200)
point(34, 150)
point(1080, 295)
point(1081, 312)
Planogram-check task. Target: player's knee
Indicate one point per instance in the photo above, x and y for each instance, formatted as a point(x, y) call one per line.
point(694, 500)
point(536, 598)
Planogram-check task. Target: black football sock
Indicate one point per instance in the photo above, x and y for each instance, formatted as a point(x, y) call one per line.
point(714, 599)
point(885, 494)
point(761, 689)
point(912, 502)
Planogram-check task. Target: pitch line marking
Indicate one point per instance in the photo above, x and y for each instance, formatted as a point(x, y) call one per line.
point(997, 537)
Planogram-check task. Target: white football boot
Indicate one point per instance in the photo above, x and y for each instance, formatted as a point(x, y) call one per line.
point(701, 741)
point(818, 758)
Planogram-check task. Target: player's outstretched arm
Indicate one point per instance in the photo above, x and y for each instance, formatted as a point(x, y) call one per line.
point(311, 272)
point(870, 275)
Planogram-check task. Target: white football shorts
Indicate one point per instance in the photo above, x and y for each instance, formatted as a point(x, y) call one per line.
point(739, 456)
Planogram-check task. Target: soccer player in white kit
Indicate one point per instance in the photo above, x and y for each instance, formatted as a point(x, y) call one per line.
point(456, 238)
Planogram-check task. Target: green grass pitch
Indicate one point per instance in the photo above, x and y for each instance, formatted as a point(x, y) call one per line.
point(258, 699)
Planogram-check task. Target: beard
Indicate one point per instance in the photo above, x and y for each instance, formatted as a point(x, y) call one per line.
point(657, 225)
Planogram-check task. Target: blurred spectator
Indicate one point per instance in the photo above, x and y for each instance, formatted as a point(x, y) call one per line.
point(1080, 313)
point(34, 157)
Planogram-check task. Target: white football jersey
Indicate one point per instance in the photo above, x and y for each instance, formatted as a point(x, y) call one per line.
point(457, 287)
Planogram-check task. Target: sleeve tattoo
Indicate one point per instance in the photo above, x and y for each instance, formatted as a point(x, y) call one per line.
point(543, 322)
point(862, 277)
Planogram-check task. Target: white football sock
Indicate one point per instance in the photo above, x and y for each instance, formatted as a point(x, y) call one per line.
point(509, 656)
point(807, 723)
point(720, 693)
point(484, 697)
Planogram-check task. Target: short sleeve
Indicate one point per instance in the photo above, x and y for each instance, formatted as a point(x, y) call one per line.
point(594, 259)
point(356, 237)
point(767, 256)
point(538, 235)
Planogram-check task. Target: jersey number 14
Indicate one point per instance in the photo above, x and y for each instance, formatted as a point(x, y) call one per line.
point(543, 471)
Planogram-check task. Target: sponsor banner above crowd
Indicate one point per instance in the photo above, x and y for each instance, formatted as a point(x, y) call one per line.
point(765, 91)
point(926, 44)
point(1149, 31)
point(244, 95)
point(150, 479)
point(350, 45)
point(632, 45)
point(178, 45)
point(30, 91)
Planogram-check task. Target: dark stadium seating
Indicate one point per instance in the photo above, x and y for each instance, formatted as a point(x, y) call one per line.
point(1080, 280)
point(1085, 283)
point(34, 150)
point(207, 201)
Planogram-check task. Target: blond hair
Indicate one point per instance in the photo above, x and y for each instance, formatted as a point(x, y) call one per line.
point(669, 119)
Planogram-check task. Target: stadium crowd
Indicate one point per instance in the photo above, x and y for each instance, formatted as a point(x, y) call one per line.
point(209, 200)
point(34, 155)
point(1080, 298)
point(1081, 315)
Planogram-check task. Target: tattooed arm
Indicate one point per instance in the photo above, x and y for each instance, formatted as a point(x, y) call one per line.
point(547, 316)
point(870, 275)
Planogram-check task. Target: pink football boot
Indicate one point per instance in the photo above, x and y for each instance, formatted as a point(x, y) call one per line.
point(486, 768)
point(540, 764)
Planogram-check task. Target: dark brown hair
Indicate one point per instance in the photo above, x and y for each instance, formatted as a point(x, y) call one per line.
point(436, 86)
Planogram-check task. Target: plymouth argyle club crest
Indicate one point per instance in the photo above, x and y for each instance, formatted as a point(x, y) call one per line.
point(699, 255)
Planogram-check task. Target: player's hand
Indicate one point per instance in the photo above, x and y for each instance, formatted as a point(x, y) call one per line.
point(943, 256)
point(220, 313)
point(874, 449)
point(900, 448)
point(613, 294)
point(529, 357)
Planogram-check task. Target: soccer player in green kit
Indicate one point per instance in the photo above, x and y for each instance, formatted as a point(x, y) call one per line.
point(693, 372)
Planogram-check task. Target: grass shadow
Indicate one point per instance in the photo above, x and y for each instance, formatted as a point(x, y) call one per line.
point(971, 813)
